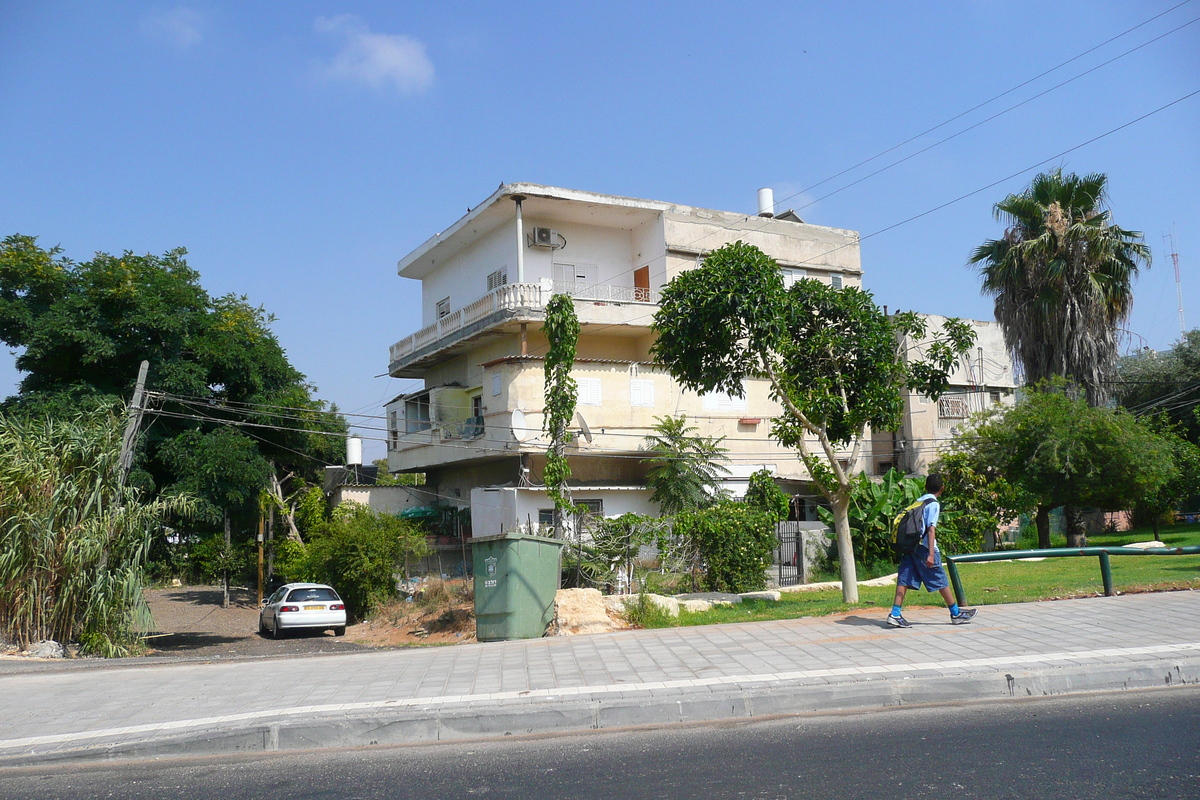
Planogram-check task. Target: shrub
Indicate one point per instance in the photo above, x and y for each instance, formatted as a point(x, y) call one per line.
point(292, 562)
point(359, 551)
point(735, 542)
point(645, 613)
point(873, 507)
point(210, 558)
point(765, 495)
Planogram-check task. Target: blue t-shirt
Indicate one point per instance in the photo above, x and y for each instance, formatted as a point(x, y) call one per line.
point(932, 511)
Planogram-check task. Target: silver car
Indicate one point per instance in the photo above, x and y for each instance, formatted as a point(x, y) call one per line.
point(302, 605)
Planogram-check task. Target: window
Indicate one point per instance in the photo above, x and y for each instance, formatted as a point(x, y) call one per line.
point(835, 281)
point(473, 428)
point(641, 392)
point(589, 391)
point(994, 397)
point(497, 279)
point(791, 275)
point(952, 408)
point(546, 517)
point(725, 402)
point(595, 508)
point(443, 307)
point(495, 384)
point(579, 275)
point(416, 414)
point(883, 468)
point(393, 428)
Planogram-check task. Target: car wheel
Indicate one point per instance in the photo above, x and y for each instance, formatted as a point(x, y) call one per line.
point(275, 632)
point(340, 630)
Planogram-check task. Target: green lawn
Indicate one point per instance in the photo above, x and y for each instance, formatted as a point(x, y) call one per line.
point(999, 582)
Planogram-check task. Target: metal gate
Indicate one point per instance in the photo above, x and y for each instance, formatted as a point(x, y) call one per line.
point(787, 554)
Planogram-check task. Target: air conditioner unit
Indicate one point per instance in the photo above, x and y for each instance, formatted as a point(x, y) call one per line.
point(544, 237)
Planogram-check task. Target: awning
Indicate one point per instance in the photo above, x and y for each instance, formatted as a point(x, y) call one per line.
point(420, 512)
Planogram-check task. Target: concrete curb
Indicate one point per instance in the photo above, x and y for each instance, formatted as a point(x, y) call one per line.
point(646, 708)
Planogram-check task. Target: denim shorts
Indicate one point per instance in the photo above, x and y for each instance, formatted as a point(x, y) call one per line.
point(913, 571)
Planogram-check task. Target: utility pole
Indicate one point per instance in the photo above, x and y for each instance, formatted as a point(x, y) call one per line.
point(135, 420)
point(1170, 237)
point(260, 556)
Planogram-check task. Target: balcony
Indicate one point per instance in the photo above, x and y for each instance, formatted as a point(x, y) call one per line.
point(514, 300)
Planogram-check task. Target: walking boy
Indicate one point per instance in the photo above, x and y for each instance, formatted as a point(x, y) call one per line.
point(924, 564)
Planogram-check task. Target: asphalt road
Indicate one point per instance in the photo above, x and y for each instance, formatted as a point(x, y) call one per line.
point(1127, 745)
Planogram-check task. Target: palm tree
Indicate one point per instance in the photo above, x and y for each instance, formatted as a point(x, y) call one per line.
point(1061, 279)
point(685, 469)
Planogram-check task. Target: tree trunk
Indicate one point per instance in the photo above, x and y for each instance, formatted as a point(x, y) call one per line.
point(1043, 527)
point(1154, 527)
point(225, 572)
point(271, 543)
point(1076, 526)
point(841, 526)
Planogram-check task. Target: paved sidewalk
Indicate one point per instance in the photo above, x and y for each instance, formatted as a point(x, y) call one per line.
point(844, 662)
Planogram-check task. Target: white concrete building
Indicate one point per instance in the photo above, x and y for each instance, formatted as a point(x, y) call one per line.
point(982, 378)
point(475, 427)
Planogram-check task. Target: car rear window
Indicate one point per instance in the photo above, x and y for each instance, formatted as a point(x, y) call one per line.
point(305, 595)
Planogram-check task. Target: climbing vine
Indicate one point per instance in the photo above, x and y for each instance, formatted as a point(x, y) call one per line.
point(562, 333)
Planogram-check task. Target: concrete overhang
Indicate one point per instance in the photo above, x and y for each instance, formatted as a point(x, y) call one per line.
point(547, 204)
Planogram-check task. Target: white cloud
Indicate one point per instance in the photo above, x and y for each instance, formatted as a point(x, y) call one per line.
point(376, 59)
point(181, 27)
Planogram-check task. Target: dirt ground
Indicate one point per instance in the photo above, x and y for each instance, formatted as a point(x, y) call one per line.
point(189, 622)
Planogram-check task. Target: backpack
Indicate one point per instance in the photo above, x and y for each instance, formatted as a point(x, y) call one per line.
point(908, 528)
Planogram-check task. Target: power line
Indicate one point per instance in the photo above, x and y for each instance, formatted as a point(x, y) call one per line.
point(958, 199)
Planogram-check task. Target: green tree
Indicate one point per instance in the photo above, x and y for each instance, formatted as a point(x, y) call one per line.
point(1183, 483)
point(562, 334)
point(832, 357)
point(765, 495)
point(1165, 383)
point(981, 500)
point(225, 471)
point(1063, 452)
point(1061, 278)
point(73, 540)
point(685, 469)
point(82, 329)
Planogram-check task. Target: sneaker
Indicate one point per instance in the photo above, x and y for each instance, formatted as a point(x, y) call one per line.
point(899, 621)
point(963, 616)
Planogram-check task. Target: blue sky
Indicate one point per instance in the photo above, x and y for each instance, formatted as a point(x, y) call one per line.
point(298, 150)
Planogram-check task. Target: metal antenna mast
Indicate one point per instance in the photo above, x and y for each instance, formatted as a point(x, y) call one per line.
point(1170, 239)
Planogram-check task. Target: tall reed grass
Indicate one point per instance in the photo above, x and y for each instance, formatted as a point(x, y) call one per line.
point(73, 540)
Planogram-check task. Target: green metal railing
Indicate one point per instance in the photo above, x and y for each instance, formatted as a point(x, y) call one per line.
point(1103, 553)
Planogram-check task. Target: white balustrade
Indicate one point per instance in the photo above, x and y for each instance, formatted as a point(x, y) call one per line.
point(513, 296)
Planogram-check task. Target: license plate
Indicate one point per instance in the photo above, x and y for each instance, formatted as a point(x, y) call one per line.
point(314, 608)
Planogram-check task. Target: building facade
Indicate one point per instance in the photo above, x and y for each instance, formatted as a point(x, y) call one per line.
point(983, 378)
point(475, 426)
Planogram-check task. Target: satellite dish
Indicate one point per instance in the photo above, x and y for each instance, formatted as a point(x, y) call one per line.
point(583, 427)
point(519, 431)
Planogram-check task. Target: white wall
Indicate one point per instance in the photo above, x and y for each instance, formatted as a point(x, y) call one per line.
point(607, 248)
point(463, 278)
point(513, 507)
point(384, 499)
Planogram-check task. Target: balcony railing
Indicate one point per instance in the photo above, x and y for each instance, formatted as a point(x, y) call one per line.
point(513, 296)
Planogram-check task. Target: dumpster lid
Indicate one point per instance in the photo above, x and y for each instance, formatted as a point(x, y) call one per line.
point(500, 537)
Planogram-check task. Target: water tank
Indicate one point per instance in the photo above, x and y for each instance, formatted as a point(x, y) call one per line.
point(766, 203)
point(353, 451)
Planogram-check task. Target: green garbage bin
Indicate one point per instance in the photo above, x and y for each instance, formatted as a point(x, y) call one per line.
point(516, 576)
